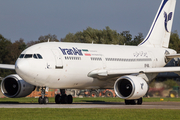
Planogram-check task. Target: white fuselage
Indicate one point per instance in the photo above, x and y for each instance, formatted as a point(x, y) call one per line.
point(66, 65)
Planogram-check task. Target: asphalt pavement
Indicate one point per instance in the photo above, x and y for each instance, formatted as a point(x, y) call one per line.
point(107, 105)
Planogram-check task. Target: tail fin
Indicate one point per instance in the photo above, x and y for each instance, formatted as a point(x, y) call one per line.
point(159, 33)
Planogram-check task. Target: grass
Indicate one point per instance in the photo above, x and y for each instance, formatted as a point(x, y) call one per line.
point(87, 114)
point(80, 100)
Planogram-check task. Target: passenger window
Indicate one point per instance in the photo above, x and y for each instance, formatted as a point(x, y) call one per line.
point(28, 56)
point(21, 56)
point(34, 56)
point(39, 56)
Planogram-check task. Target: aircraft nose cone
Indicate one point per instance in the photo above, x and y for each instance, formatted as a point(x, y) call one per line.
point(22, 67)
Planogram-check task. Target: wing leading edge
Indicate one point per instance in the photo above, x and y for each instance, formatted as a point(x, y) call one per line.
point(173, 56)
point(7, 66)
point(115, 72)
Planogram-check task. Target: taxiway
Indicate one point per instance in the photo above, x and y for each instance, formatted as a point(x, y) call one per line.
point(145, 105)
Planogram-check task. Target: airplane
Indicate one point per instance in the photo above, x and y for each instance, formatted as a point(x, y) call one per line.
point(127, 69)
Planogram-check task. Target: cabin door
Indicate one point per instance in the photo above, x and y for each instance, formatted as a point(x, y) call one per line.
point(58, 59)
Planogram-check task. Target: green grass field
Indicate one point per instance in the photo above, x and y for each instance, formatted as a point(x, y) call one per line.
point(86, 114)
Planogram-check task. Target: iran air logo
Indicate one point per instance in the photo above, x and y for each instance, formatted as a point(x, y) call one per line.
point(167, 17)
point(74, 51)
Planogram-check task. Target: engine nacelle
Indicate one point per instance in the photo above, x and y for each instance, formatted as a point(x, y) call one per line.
point(130, 87)
point(13, 86)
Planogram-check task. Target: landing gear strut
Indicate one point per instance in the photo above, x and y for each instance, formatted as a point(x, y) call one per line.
point(63, 98)
point(42, 99)
point(134, 102)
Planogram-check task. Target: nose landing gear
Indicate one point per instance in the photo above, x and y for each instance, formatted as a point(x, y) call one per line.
point(63, 98)
point(59, 99)
point(43, 99)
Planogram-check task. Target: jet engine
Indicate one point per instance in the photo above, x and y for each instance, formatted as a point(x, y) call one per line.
point(130, 87)
point(13, 86)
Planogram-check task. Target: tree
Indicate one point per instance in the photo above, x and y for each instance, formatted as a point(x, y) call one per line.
point(170, 83)
point(175, 41)
point(105, 36)
point(128, 37)
point(4, 49)
point(4, 52)
point(44, 38)
point(15, 50)
point(137, 39)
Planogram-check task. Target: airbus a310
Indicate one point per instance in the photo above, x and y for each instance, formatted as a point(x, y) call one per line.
point(127, 69)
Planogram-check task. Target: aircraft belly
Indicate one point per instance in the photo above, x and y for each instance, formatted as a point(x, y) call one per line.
point(74, 79)
point(88, 83)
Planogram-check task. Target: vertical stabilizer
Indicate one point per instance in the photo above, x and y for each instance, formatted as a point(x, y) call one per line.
point(159, 33)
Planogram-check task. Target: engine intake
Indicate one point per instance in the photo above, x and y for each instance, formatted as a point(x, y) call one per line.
point(13, 86)
point(130, 87)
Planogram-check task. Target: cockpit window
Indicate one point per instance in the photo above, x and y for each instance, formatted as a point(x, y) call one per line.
point(35, 56)
point(39, 56)
point(28, 56)
point(21, 56)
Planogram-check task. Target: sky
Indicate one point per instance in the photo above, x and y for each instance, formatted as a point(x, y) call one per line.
point(31, 19)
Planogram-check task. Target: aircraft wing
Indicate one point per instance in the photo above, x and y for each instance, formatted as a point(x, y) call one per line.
point(7, 66)
point(115, 72)
point(173, 56)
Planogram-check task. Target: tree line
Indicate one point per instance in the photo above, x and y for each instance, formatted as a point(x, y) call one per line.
point(9, 51)
point(105, 36)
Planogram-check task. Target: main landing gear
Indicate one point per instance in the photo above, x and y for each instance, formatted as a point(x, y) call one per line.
point(134, 102)
point(63, 98)
point(42, 99)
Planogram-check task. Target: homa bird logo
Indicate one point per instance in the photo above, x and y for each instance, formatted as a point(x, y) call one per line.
point(142, 85)
point(167, 17)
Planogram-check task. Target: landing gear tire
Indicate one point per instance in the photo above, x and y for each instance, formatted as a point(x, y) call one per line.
point(134, 102)
point(127, 102)
point(40, 100)
point(64, 99)
point(139, 101)
point(43, 100)
point(58, 99)
point(130, 102)
point(69, 99)
point(46, 100)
